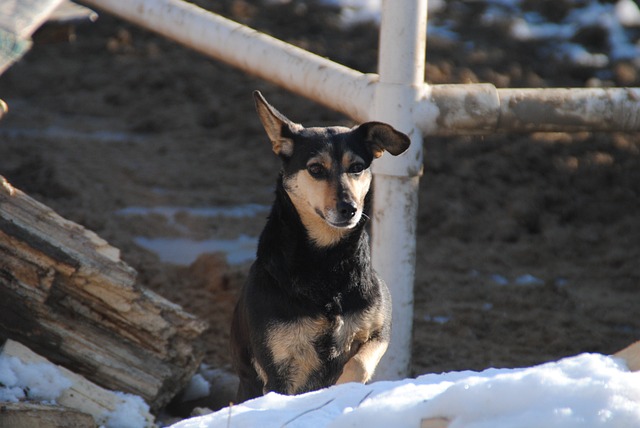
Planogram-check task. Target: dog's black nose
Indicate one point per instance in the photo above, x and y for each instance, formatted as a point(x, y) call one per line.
point(347, 209)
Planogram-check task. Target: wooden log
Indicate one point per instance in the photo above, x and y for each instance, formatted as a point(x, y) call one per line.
point(30, 415)
point(82, 395)
point(65, 293)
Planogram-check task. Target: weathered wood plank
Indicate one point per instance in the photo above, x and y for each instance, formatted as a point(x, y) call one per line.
point(65, 293)
point(30, 415)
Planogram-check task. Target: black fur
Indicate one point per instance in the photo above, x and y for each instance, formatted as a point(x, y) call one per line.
point(292, 279)
point(323, 289)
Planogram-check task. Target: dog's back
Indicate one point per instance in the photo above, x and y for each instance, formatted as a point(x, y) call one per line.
point(313, 312)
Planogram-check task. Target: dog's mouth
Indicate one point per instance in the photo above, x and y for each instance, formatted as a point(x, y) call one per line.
point(335, 220)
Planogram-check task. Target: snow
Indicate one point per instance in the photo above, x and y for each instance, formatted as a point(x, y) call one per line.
point(528, 279)
point(613, 19)
point(38, 381)
point(628, 13)
point(44, 382)
point(616, 19)
point(184, 251)
point(198, 387)
point(588, 390)
point(172, 212)
point(128, 414)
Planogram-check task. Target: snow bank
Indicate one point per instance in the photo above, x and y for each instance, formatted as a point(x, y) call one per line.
point(44, 382)
point(586, 390)
point(129, 413)
point(20, 381)
point(184, 251)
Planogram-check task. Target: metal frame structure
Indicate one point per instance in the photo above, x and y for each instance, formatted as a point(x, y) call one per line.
point(397, 95)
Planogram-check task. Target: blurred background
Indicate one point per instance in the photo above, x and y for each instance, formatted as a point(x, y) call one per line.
point(528, 245)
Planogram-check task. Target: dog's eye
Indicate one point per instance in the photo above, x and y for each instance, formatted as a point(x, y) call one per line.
point(356, 168)
point(316, 170)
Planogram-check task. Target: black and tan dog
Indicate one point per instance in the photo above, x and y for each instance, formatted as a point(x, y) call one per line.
point(313, 312)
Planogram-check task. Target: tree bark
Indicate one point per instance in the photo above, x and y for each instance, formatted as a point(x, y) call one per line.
point(29, 415)
point(65, 294)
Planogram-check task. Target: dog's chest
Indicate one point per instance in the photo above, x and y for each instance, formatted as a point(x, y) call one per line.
point(347, 332)
point(333, 336)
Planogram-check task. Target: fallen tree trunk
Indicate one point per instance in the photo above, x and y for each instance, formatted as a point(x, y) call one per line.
point(65, 293)
point(29, 415)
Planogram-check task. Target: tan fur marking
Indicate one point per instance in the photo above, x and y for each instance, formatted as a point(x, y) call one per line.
point(272, 122)
point(261, 373)
point(350, 158)
point(357, 329)
point(377, 152)
point(292, 345)
point(307, 195)
point(357, 186)
point(323, 159)
point(282, 146)
point(361, 366)
point(357, 332)
point(310, 196)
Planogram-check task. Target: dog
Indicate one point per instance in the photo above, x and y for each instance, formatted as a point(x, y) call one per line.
point(313, 312)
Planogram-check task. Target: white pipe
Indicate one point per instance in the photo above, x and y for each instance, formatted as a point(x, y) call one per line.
point(484, 109)
point(440, 109)
point(395, 206)
point(569, 110)
point(334, 85)
point(452, 109)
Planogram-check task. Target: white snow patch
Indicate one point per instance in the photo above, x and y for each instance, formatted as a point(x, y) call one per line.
point(128, 414)
point(528, 279)
point(358, 11)
point(198, 387)
point(627, 13)
point(586, 390)
point(184, 251)
point(170, 212)
point(37, 381)
point(555, 37)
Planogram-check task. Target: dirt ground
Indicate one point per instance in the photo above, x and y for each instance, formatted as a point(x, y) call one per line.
point(528, 245)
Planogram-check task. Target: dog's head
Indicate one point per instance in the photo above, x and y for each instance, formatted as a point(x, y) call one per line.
point(326, 171)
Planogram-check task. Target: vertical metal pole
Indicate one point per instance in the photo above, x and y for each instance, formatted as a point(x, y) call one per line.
point(401, 66)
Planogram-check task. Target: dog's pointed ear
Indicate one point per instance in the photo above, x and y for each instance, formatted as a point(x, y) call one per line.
point(380, 137)
point(279, 129)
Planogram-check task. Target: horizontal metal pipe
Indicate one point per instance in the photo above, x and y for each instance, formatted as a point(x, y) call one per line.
point(334, 85)
point(457, 109)
point(462, 109)
point(568, 110)
point(483, 109)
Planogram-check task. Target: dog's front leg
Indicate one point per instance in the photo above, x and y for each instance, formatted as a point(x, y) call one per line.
point(361, 366)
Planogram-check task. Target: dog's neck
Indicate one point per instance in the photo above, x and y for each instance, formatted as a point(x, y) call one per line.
point(288, 254)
